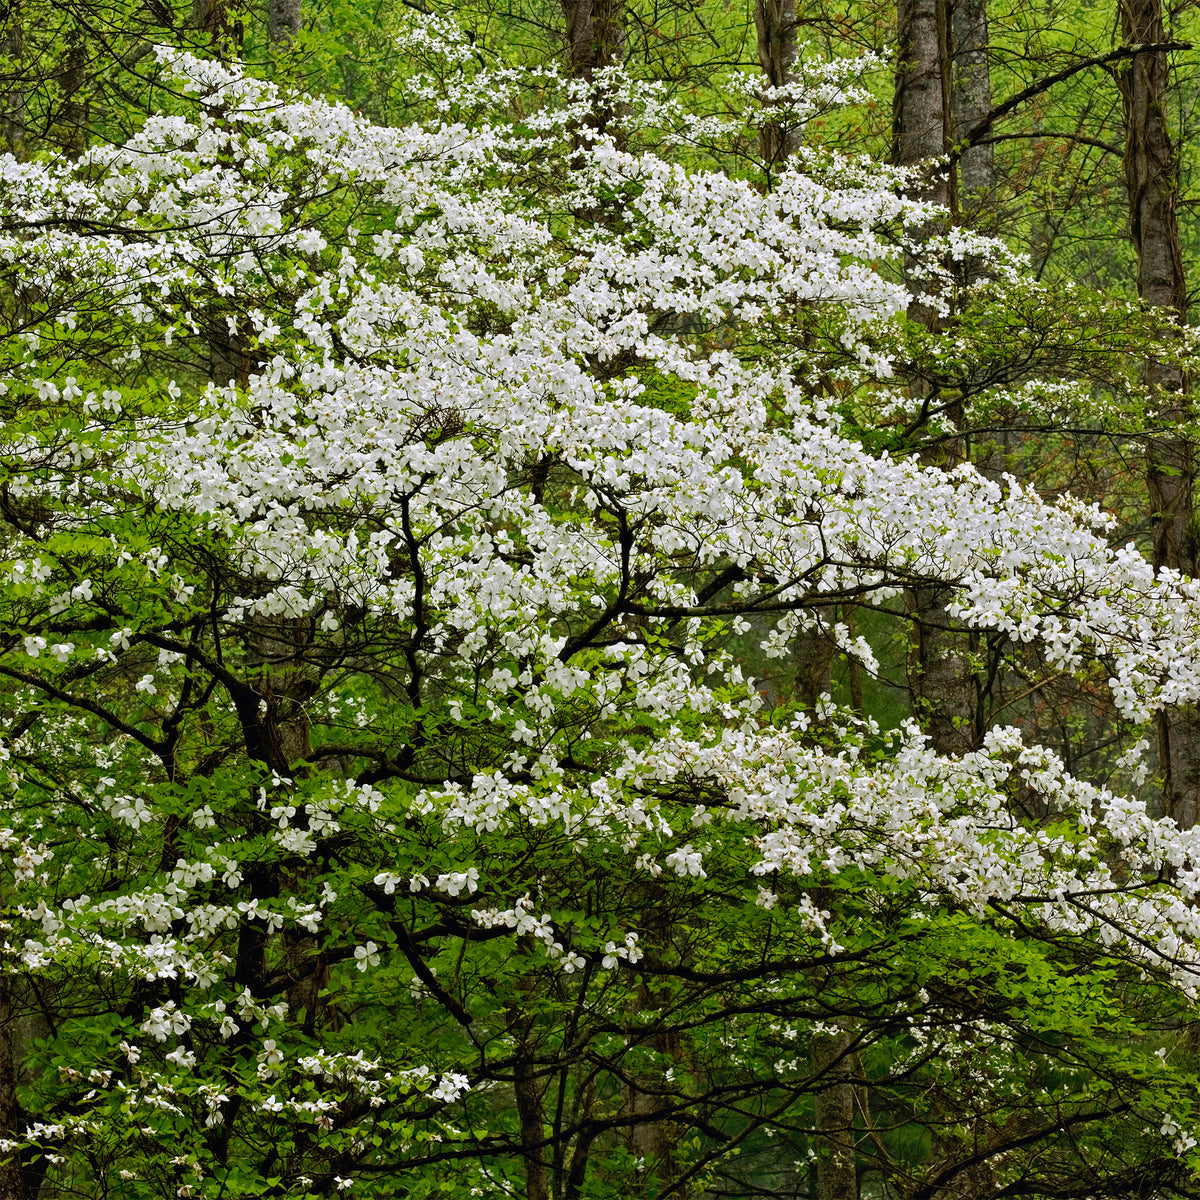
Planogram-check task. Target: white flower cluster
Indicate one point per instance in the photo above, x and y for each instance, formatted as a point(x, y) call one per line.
point(371, 1080)
point(425, 466)
point(614, 954)
point(522, 921)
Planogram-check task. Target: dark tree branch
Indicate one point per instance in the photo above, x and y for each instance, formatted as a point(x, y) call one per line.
point(982, 128)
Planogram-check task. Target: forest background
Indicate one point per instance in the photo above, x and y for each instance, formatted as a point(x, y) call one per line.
point(599, 600)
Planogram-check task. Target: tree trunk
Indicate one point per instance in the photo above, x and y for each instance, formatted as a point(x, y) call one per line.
point(283, 22)
point(594, 31)
point(775, 21)
point(919, 105)
point(971, 99)
point(222, 27)
point(527, 1089)
point(837, 1178)
point(21, 1173)
point(533, 1125)
point(12, 1117)
point(74, 118)
point(651, 1137)
point(15, 115)
point(276, 647)
point(813, 654)
point(595, 35)
point(940, 678)
point(1152, 180)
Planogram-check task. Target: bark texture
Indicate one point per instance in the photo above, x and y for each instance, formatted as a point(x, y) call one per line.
point(283, 22)
point(74, 113)
point(533, 1124)
point(652, 1136)
point(527, 1088)
point(837, 1178)
point(775, 22)
point(940, 678)
point(276, 649)
point(813, 655)
point(220, 24)
point(971, 100)
point(940, 675)
point(595, 35)
point(12, 45)
point(1152, 180)
point(919, 106)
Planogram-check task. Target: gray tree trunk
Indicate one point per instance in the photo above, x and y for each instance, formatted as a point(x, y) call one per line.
point(939, 676)
point(651, 1136)
point(972, 98)
point(527, 1088)
point(919, 105)
point(276, 646)
point(595, 35)
point(15, 115)
point(74, 109)
point(837, 1178)
point(283, 22)
point(1152, 180)
point(775, 22)
point(813, 656)
point(23, 1172)
point(941, 680)
point(219, 24)
point(530, 1113)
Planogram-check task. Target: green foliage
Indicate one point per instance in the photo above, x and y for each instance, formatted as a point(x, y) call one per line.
point(292, 777)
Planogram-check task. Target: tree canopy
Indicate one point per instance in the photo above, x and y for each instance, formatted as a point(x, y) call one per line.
point(455, 573)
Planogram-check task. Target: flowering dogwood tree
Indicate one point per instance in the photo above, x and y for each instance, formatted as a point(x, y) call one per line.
point(386, 806)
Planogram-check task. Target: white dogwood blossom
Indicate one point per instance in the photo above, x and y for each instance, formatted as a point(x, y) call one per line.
point(379, 562)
